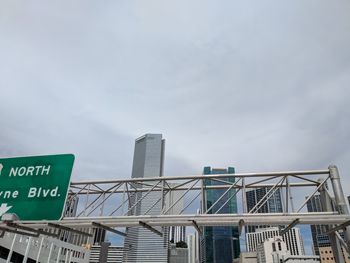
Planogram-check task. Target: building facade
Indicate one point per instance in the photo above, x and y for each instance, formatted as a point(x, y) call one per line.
point(193, 248)
point(317, 231)
point(274, 250)
point(140, 244)
point(326, 255)
point(115, 254)
point(273, 204)
point(177, 254)
point(293, 239)
point(221, 242)
point(176, 233)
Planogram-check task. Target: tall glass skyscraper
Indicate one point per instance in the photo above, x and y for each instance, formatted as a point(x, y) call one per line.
point(141, 245)
point(221, 242)
point(319, 238)
point(273, 205)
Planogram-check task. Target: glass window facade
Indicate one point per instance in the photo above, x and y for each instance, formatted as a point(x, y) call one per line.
point(221, 243)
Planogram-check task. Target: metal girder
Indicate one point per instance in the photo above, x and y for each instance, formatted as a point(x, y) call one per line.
point(290, 226)
point(30, 229)
point(198, 187)
point(4, 229)
point(236, 175)
point(107, 228)
point(276, 219)
point(69, 229)
point(340, 227)
point(240, 226)
point(194, 223)
point(143, 224)
point(342, 242)
point(222, 195)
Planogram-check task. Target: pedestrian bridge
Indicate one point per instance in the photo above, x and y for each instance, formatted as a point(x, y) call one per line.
point(112, 204)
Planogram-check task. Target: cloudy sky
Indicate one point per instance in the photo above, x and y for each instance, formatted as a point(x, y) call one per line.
point(259, 85)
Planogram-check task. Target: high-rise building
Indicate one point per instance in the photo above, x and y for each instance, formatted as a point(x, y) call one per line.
point(321, 242)
point(319, 238)
point(274, 250)
point(292, 238)
point(327, 256)
point(193, 248)
point(142, 245)
point(178, 254)
point(177, 234)
point(272, 205)
point(221, 242)
point(175, 202)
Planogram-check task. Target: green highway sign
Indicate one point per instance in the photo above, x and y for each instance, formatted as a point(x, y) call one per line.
point(35, 187)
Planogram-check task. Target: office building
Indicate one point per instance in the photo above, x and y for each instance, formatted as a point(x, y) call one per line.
point(174, 204)
point(193, 248)
point(177, 234)
point(274, 250)
point(326, 255)
point(321, 242)
point(272, 205)
point(115, 254)
point(292, 238)
point(317, 231)
point(142, 245)
point(248, 257)
point(221, 242)
point(178, 254)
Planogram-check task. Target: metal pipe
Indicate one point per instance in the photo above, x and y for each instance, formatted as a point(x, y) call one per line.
point(138, 201)
point(166, 211)
point(287, 195)
point(218, 200)
point(262, 200)
point(228, 200)
point(309, 197)
point(206, 187)
point(323, 218)
point(237, 175)
point(327, 206)
point(339, 197)
point(244, 196)
point(190, 203)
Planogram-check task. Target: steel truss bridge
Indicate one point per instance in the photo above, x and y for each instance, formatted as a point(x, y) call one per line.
point(113, 203)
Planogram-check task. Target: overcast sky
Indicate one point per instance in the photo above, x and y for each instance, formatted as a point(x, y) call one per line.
point(259, 85)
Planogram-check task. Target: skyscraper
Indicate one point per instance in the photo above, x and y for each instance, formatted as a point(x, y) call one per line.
point(193, 249)
point(176, 233)
point(221, 242)
point(292, 238)
point(141, 245)
point(317, 231)
point(273, 204)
